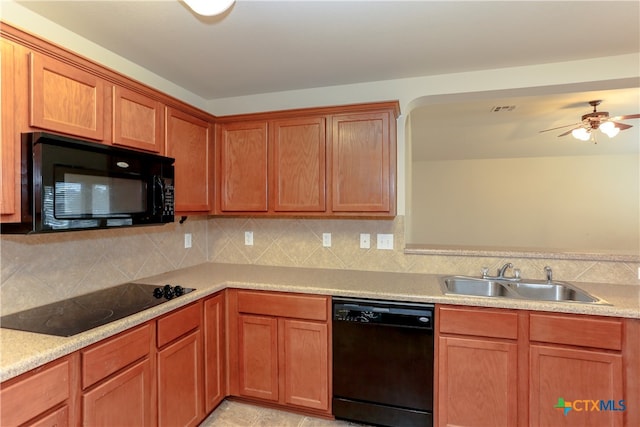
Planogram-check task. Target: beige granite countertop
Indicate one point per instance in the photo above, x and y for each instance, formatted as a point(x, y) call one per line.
point(22, 351)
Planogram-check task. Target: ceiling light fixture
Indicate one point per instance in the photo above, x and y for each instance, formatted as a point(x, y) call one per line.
point(209, 7)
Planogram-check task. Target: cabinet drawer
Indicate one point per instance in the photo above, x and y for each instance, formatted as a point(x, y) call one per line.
point(111, 355)
point(478, 322)
point(178, 323)
point(58, 418)
point(576, 330)
point(34, 393)
point(283, 305)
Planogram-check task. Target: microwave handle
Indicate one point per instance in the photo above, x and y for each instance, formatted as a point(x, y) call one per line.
point(158, 190)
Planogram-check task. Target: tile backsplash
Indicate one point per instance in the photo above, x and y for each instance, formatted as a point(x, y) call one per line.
point(39, 269)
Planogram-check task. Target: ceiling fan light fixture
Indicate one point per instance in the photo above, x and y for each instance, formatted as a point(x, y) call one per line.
point(581, 133)
point(209, 7)
point(609, 129)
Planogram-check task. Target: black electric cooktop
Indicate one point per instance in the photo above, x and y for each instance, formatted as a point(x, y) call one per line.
point(84, 312)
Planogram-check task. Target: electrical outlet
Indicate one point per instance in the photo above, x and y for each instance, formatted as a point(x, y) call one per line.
point(385, 241)
point(326, 240)
point(187, 240)
point(248, 238)
point(365, 240)
point(638, 273)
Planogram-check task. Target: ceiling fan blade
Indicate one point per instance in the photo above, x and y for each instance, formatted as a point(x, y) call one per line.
point(627, 117)
point(568, 132)
point(622, 126)
point(560, 127)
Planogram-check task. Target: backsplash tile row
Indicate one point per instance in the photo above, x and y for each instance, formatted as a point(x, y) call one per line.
point(40, 269)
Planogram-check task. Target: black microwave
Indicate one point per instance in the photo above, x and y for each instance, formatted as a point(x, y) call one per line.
point(69, 184)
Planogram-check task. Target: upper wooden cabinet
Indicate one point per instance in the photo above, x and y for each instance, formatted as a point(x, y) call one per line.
point(334, 161)
point(9, 137)
point(298, 164)
point(361, 158)
point(188, 141)
point(242, 167)
point(137, 121)
point(66, 99)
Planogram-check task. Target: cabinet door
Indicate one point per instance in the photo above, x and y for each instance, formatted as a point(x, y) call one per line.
point(243, 167)
point(180, 397)
point(583, 379)
point(137, 121)
point(298, 164)
point(477, 382)
point(122, 400)
point(9, 138)
point(188, 142)
point(66, 99)
point(361, 163)
point(214, 349)
point(305, 351)
point(258, 357)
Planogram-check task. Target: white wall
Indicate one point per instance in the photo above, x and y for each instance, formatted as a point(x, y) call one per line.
point(411, 92)
point(579, 203)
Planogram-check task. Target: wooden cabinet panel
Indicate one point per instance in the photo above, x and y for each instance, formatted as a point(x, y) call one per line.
point(9, 138)
point(298, 164)
point(138, 121)
point(311, 307)
point(123, 400)
point(37, 391)
point(66, 99)
point(214, 351)
point(258, 357)
point(306, 366)
point(578, 377)
point(178, 323)
point(361, 160)
point(479, 322)
point(242, 174)
point(58, 418)
point(478, 383)
point(180, 399)
point(577, 330)
point(109, 356)
point(188, 141)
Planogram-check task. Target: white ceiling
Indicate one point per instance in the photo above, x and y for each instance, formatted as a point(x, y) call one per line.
point(271, 46)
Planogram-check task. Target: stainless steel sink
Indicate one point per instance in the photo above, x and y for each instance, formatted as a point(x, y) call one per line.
point(516, 288)
point(473, 286)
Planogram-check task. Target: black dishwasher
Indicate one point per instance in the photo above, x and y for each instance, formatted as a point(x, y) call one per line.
point(383, 362)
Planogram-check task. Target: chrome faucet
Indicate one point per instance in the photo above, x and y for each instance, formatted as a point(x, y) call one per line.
point(549, 274)
point(503, 270)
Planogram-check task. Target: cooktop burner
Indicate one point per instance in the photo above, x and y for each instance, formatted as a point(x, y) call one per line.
point(84, 312)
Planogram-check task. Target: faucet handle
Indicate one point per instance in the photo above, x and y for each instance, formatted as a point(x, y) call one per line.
point(485, 272)
point(516, 273)
point(549, 273)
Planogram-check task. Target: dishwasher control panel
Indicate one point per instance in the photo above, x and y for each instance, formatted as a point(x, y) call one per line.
point(383, 312)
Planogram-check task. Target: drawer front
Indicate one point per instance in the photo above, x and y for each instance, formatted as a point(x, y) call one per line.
point(478, 322)
point(284, 305)
point(577, 330)
point(178, 323)
point(113, 354)
point(38, 392)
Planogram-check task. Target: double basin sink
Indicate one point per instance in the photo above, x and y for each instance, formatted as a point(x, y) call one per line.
point(524, 289)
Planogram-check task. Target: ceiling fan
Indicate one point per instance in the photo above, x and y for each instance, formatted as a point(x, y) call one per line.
point(594, 121)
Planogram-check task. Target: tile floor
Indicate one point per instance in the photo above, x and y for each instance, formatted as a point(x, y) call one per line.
point(236, 414)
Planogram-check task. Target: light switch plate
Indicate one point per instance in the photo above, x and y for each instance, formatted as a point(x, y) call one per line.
point(248, 238)
point(187, 240)
point(365, 240)
point(326, 240)
point(385, 241)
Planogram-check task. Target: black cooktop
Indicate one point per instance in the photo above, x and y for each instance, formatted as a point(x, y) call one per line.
point(84, 312)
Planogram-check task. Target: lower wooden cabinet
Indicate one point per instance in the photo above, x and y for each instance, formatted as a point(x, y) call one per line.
point(180, 373)
point(507, 368)
point(215, 348)
point(44, 396)
point(125, 399)
point(279, 349)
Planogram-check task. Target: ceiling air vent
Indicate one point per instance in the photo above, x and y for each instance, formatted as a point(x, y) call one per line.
point(501, 108)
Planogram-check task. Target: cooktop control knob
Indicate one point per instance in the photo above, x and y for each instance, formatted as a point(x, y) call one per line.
point(168, 292)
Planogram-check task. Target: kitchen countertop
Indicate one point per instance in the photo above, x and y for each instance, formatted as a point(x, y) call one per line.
point(23, 351)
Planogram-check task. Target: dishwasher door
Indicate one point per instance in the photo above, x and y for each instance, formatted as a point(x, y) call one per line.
point(383, 362)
